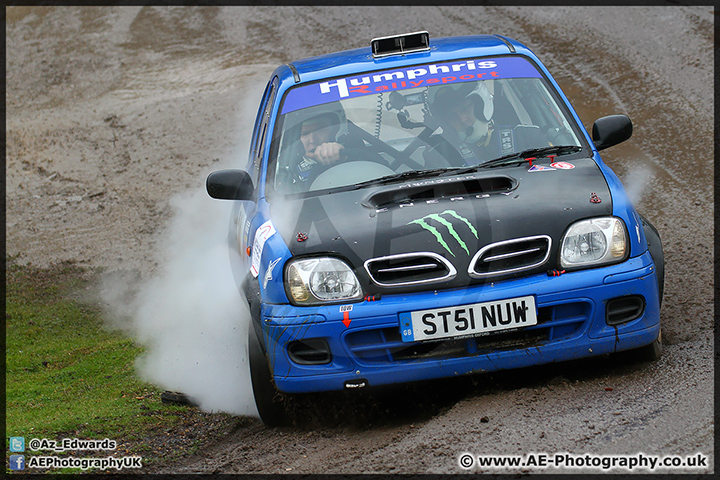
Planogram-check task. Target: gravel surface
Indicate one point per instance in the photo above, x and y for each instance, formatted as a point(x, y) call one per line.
point(116, 113)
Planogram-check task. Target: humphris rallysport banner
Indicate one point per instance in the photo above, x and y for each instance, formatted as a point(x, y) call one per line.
point(412, 77)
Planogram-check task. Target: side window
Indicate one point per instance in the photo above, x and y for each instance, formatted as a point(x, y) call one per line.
point(260, 133)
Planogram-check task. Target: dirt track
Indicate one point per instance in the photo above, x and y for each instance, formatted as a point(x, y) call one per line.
point(112, 112)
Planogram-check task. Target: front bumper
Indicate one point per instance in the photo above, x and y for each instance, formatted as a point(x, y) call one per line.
point(366, 347)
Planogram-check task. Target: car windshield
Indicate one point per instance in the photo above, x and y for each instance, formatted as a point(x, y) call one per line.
point(353, 130)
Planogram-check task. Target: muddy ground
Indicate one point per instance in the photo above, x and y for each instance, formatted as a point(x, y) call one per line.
point(112, 112)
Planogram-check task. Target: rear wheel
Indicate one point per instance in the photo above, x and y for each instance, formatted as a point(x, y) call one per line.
point(268, 399)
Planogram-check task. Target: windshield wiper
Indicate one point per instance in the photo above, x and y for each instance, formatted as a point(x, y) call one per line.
point(522, 156)
point(409, 175)
point(533, 152)
point(446, 171)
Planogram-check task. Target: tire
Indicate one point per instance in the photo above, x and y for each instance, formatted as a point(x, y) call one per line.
point(656, 252)
point(268, 399)
point(650, 353)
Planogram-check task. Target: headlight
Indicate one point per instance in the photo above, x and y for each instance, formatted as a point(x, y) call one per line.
point(597, 241)
point(313, 281)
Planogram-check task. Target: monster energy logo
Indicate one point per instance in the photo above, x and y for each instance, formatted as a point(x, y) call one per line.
point(438, 217)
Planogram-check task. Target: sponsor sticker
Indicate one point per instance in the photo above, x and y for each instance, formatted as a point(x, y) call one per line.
point(445, 221)
point(306, 165)
point(562, 165)
point(269, 271)
point(540, 168)
point(265, 231)
point(345, 310)
point(243, 224)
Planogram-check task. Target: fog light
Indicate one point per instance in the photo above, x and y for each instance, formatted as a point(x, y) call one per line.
point(624, 309)
point(313, 351)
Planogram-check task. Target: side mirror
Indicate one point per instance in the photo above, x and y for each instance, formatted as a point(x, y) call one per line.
point(230, 185)
point(611, 130)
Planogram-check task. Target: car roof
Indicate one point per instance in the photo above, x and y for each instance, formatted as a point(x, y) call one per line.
point(361, 60)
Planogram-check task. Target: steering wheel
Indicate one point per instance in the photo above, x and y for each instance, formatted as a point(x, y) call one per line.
point(366, 154)
point(442, 154)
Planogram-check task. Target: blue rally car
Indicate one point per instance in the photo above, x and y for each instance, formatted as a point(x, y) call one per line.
point(425, 209)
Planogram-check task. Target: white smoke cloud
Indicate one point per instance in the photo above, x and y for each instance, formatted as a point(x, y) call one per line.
point(636, 180)
point(190, 315)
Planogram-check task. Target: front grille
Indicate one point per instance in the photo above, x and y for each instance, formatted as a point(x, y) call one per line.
point(384, 345)
point(510, 256)
point(409, 269)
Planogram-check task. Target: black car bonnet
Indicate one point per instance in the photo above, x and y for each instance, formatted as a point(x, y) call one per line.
point(452, 217)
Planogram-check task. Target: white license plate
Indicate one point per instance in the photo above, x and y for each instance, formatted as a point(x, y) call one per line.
point(468, 320)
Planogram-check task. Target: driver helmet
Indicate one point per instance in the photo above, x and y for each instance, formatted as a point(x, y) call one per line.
point(446, 100)
point(332, 114)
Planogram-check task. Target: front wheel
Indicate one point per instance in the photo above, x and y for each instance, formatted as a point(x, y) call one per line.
point(650, 353)
point(268, 399)
point(656, 252)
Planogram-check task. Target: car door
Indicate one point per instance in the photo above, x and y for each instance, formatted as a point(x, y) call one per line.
point(244, 212)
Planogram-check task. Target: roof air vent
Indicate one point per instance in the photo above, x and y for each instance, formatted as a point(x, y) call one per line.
point(400, 44)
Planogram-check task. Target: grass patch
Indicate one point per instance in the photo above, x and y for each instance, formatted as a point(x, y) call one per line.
point(68, 376)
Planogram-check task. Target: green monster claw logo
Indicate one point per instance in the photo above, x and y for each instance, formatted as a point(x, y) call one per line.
point(438, 217)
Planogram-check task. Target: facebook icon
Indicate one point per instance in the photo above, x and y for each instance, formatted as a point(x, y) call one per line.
point(17, 462)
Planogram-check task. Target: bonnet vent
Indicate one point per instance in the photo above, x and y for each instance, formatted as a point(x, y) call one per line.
point(438, 191)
